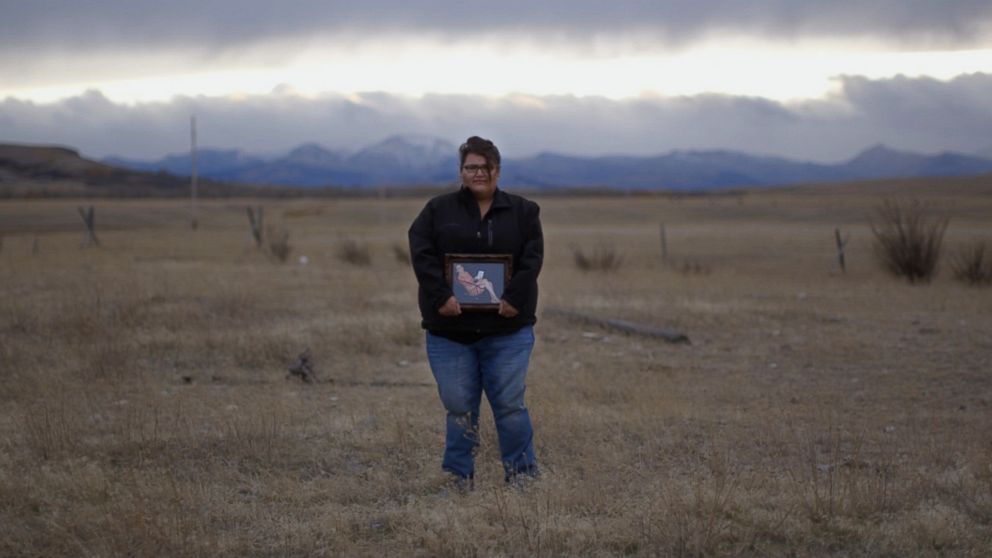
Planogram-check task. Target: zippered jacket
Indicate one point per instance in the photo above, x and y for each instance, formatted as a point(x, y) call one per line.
point(451, 224)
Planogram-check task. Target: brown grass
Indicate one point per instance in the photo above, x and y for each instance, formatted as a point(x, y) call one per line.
point(145, 409)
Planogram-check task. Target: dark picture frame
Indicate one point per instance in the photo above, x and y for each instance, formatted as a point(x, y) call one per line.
point(478, 280)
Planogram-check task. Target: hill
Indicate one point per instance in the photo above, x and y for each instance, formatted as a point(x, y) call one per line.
point(57, 171)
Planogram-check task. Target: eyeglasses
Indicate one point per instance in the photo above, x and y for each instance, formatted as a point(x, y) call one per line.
point(473, 169)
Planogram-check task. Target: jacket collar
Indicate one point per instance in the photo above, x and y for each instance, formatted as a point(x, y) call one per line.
point(500, 198)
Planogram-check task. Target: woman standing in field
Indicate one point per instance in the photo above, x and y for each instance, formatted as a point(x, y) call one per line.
point(473, 353)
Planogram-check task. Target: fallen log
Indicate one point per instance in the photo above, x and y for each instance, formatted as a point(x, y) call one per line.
point(670, 335)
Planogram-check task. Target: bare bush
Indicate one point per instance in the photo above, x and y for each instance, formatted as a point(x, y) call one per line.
point(354, 252)
point(973, 264)
point(401, 253)
point(278, 243)
point(908, 239)
point(693, 267)
point(600, 259)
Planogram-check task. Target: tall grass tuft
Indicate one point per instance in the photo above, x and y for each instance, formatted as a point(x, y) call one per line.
point(600, 259)
point(908, 239)
point(973, 264)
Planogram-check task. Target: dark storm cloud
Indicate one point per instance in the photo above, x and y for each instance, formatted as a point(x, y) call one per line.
point(913, 114)
point(114, 24)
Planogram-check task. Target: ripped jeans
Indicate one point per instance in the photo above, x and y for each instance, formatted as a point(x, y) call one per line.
point(495, 365)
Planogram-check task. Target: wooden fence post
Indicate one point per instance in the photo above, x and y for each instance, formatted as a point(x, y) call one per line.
point(255, 220)
point(89, 221)
point(840, 249)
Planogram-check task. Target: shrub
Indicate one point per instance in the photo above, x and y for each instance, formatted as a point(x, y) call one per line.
point(354, 252)
point(402, 254)
point(908, 239)
point(692, 267)
point(973, 264)
point(601, 259)
point(278, 243)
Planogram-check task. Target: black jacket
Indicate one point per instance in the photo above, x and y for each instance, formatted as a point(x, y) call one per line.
point(451, 224)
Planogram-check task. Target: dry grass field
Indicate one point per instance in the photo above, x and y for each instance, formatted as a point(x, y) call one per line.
point(145, 408)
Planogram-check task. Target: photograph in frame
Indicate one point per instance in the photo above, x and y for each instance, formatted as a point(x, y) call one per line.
point(478, 280)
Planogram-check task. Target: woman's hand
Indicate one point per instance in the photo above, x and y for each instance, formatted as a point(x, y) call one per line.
point(451, 308)
point(506, 309)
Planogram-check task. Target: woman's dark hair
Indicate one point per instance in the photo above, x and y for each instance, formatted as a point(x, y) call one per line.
point(480, 146)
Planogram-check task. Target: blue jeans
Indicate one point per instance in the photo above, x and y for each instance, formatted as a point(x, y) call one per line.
point(497, 366)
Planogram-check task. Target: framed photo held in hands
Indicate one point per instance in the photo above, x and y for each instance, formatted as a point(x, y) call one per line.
point(478, 280)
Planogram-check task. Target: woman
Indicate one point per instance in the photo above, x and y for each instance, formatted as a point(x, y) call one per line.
point(480, 352)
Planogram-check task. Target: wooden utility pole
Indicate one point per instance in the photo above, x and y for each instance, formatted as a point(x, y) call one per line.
point(664, 244)
point(193, 177)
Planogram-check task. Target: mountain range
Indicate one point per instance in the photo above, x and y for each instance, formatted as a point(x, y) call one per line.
point(425, 160)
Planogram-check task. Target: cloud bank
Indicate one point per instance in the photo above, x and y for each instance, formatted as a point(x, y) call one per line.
point(220, 24)
point(918, 114)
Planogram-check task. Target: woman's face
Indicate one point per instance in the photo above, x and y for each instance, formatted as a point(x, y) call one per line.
point(478, 177)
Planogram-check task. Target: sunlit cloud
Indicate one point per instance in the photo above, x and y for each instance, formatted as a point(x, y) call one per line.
point(415, 67)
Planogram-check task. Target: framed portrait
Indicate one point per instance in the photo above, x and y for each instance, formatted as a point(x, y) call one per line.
point(478, 280)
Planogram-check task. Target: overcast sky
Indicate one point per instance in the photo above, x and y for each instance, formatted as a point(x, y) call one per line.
point(801, 78)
